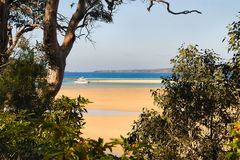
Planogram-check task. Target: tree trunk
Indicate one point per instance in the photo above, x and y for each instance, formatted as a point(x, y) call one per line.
point(56, 73)
point(4, 12)
point(52, 48)
point(57, 54)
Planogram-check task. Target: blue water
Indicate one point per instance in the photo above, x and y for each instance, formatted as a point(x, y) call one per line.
point(107, 75)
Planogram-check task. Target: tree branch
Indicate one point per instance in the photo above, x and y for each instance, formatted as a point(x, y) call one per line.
point(168, 8)
point(22, 30)
point(3, 65)
point(85, 18)
point(74, 21)
point(50, 26)
point(10, 37)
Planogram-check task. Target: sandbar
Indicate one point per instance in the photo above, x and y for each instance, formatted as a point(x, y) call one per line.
point(116, 99)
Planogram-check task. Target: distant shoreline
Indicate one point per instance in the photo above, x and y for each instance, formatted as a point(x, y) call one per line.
point(160, 70)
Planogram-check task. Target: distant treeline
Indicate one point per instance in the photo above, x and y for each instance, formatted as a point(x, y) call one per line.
point(160, 70)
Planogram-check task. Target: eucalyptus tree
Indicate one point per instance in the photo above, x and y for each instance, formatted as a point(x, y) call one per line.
point(26, 15)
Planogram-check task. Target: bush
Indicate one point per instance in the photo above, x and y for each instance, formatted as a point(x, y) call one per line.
point(55, 134)
point(235, 142)
point(23, 83)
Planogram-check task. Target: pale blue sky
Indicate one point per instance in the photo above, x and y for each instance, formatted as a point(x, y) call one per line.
point(141, 40)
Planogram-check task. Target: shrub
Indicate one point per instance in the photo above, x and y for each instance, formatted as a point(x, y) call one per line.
point(235, 142)
point(23, 83)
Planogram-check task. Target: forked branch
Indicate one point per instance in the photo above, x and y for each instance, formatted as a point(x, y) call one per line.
point(168, 8)
point(24, 29)
point(78, 15)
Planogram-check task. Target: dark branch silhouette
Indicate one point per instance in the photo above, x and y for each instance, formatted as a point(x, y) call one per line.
point(168, 8)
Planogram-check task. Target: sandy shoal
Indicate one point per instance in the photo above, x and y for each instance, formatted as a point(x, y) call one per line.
point(117, 99)
point(122, 99)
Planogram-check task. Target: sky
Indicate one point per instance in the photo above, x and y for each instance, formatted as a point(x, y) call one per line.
point(138, 39)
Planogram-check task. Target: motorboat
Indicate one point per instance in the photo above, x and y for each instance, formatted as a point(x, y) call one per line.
point(81, 80)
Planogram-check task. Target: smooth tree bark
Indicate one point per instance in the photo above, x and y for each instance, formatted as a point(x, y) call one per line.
point(56, 53)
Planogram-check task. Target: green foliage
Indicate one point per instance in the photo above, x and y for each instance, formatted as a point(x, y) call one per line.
point(234, 46)
point(197, 104)
point(234, 36)
point(155, 134)
point(15, 136)
point(235, 142)
point(59, 132)
point(97, 149)
point(55, 134)
point(133, 151)
point(23, 84)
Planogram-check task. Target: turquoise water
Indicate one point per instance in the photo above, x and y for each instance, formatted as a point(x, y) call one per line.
point(114, 76)
point(102, 84)
point(107, 75)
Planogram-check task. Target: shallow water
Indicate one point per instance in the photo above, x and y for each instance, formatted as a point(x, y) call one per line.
point(109, 75)
point(152, 80)
point(102, 84)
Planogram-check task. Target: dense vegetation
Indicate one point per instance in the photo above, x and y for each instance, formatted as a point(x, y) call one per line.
point(197, 105)
point(196, 112)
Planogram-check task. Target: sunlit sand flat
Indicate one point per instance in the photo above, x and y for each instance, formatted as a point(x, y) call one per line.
point(113, 109)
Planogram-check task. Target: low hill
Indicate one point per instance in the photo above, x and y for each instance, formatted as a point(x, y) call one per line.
point(160, 70)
